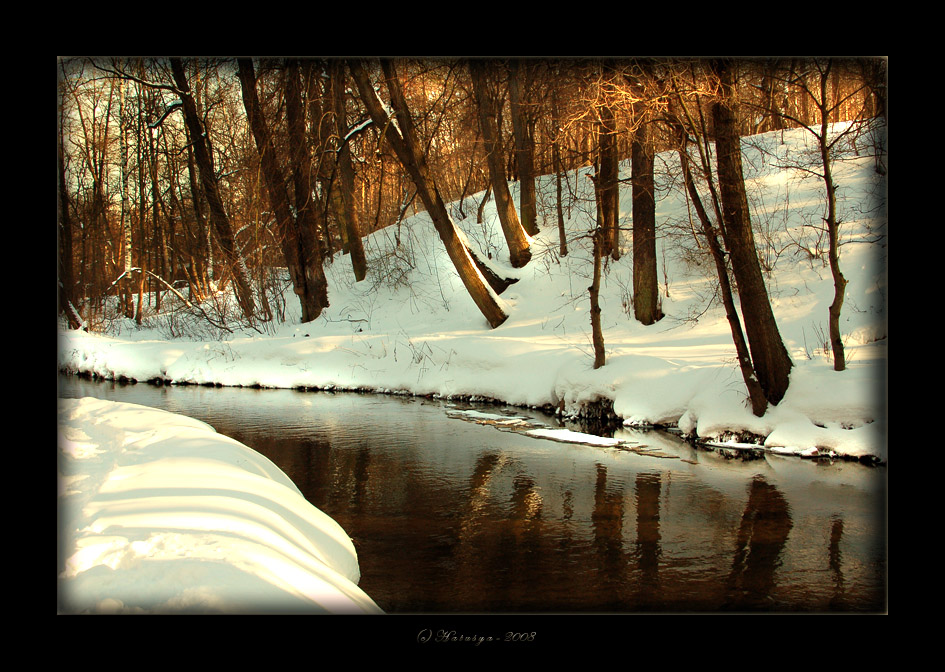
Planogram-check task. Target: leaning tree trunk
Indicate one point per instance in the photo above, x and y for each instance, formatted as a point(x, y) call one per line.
point(756, 395)
point(515, 237)
point(769, 356)
point(218, 217)
point(404, 143)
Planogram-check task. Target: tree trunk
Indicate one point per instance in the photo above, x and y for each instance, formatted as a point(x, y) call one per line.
point(524, 152)
point(770, 358)
point(139, 311)
point(321, 130)
point(346, 174)
point(756, 395)
point(309, 217)
point(839, 281)
point(608, 182)
point(646, 307)
point(597, 334)
point(519, 252)
point(127, 288)
point(405, 146)
point(558, 168)
point(482, 205)
point(145, 259)
point(273, 178)
point(839, 289)
point(559, 206)
point(66, 270)
point(218, 217)
point(160, 236)
point(203, 274)
point(833, 229)
point(293, 243)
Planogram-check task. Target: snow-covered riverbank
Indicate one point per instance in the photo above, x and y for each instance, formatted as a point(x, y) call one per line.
point(411, 328)
point(160, 514)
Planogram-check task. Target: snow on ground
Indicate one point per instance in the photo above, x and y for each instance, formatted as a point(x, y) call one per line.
point(411, 328)
point(160, 514)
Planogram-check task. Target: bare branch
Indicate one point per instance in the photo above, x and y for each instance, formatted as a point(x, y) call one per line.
point(176, 105)
point(114, 71)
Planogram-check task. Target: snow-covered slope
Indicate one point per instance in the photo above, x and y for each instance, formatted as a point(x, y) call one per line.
point(410, 326)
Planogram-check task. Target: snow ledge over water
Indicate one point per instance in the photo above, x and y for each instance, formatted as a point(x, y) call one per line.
point(158, 513)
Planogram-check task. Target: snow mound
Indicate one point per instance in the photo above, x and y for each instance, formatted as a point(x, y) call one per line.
point(160, 514)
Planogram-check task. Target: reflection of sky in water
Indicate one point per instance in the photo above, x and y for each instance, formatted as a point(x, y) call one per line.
point(510, 522)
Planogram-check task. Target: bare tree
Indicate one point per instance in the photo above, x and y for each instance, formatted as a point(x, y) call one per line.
point(66, 275)
point(399, 131)
point(524, 144)
point(646, 305)
point(818, 83)
point(597, 333)
point(125, 213)
point(558, 170)
point(346, 171)
point(608, 161)
point(519, 252)
point(608, 184)
point(309, 219)
point(208, 180)
point(303, 262)
point(770, 358)
point(756, 395)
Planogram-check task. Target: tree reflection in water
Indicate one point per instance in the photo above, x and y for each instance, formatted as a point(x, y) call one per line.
point(760, 541)
point(449, 516)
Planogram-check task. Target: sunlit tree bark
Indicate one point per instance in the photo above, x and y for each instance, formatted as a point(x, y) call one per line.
point(399, 132)
point(515, 237)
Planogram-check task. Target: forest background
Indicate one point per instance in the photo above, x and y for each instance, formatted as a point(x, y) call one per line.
point(212, 186)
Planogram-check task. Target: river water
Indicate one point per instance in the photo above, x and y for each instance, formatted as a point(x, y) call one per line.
point(453, 516)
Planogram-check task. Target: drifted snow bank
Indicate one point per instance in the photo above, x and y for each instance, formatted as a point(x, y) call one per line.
point(160, 514)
